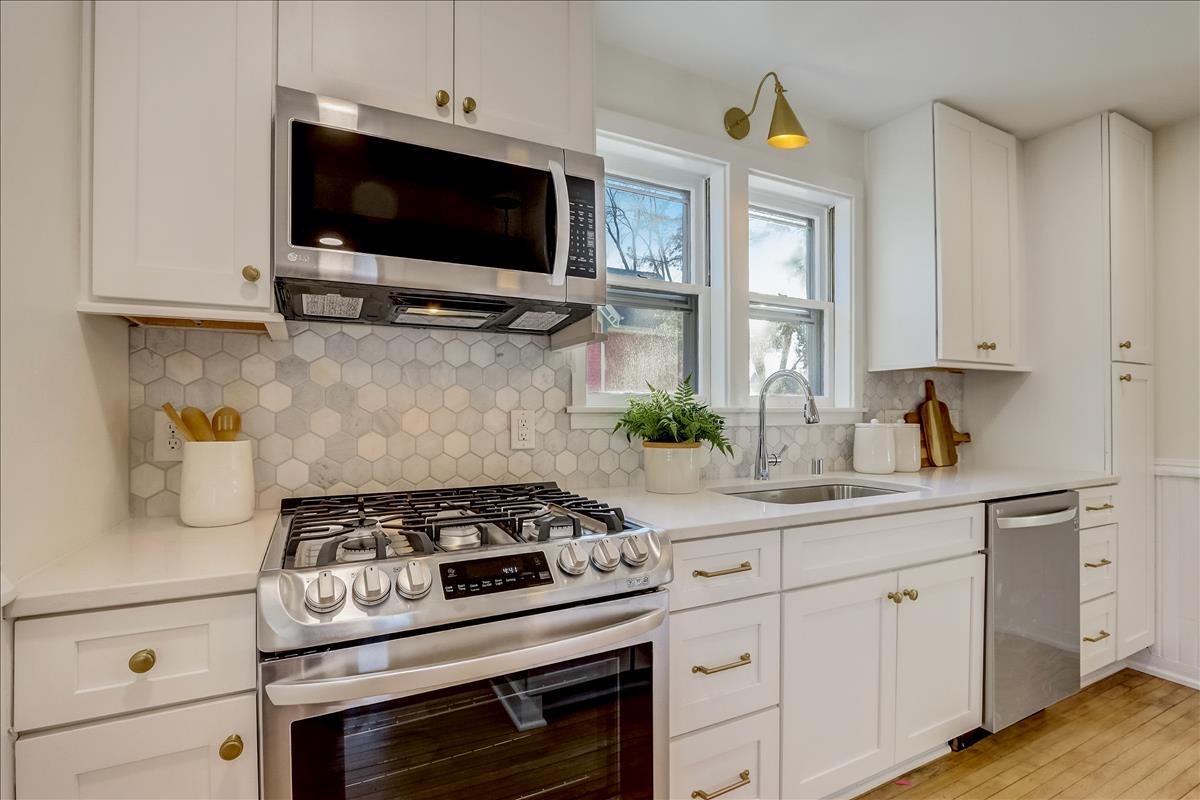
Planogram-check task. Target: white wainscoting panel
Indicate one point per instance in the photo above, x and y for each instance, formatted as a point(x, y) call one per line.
point(1176, 654)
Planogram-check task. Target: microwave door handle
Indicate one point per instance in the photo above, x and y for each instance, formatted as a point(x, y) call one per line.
point(428, 677)
point(1038, 521)
point(562, 203)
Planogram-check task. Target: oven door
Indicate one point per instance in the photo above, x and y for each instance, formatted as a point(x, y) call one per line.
point(566, 704)
point(369, 196)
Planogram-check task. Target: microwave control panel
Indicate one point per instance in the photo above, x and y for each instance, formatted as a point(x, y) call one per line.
point(489, 575)
point(581, 257)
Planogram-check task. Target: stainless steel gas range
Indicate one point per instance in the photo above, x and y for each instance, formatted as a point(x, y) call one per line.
point(484, 642)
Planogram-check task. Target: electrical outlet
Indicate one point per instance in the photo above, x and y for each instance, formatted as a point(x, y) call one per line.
point(520, 427)
point(168, 443)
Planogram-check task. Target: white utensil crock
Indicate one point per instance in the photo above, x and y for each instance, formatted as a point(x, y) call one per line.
point(908, 447)
point(672, 468)
point(874, 448)
point(217, 487)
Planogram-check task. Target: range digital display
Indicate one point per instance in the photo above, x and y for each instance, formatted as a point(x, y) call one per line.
point(498, 574)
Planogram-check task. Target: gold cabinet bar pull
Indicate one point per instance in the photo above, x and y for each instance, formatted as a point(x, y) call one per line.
point(142, 661)
point(743, 660)
point(911, 594)
point(1125, 345)
point(231, 748)
point(1105, 507)
point(895, 597)
point(743, 780)
point(703, 573)
point(1127, 377)
point(1104, 562)
point(1099, 637)
point(981, 346)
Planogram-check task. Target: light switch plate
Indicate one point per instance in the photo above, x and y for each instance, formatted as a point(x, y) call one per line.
point(520, 427)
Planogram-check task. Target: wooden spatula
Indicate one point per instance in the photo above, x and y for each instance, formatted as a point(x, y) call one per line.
point(226, 424)
point(939, 432)
point(197, 424)
point(177, 421)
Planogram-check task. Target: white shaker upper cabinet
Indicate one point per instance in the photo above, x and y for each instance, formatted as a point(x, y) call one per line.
point(1130, 172)
point(181, 152)
point(944, 263)
point(394, 54)
point(1133, 463)
point(524, 69)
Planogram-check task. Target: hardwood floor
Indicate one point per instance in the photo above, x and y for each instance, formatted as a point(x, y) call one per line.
point(1127, 737)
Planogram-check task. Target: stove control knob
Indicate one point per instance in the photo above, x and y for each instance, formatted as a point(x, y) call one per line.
point(634, 551)
point(572, 560)
point(326, 593)
point(606, 555)
point(372, 586)
point(414, 581)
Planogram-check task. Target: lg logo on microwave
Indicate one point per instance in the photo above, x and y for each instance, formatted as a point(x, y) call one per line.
point(302, 258)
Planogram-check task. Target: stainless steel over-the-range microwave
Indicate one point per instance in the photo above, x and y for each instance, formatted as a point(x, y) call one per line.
point(387, 218)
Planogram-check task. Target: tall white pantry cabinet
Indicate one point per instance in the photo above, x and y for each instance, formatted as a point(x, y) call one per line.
point(1088, 235)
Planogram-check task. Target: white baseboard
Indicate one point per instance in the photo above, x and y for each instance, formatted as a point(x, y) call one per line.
point(881, 778)
point(1173, 671)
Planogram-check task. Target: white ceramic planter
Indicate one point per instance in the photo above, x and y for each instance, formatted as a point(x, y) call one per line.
point(672, 468)
point(217, 485)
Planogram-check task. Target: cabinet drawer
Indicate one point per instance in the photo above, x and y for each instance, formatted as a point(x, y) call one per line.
point(725, 568)
point(1097, 562)
point(724, 662)
point(823, 553)
point(743, 753)
point(81, 666)
point(1097, 506)
point(160, 755)
point(1097, 621)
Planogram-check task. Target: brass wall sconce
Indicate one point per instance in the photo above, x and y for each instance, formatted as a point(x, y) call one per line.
point(786, 131)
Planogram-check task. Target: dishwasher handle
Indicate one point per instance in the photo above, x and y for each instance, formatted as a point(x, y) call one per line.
point(1038, 520)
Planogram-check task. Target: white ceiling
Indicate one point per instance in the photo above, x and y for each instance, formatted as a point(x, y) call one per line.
point(1026, 67)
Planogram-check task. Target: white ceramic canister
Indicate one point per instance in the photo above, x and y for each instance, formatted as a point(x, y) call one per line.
point(874, 447)
point(672, 468)
point(908, 446)
point(217, 485)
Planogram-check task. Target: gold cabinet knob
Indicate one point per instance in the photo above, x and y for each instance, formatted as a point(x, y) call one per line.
point(1127, 377)
point(468, 105)
point(895, 597)
point(911, 594)
point(981, 346)
point(231, 748)
point(1125, 345)
point(142, 661)
point(442, 98)
point(251, 273)
point(992, 346)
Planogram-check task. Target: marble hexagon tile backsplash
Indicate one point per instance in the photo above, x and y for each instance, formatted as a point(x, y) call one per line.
point(356, 408)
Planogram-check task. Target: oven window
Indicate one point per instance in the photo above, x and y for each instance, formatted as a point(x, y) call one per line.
point(577, 730)
point(366, 194)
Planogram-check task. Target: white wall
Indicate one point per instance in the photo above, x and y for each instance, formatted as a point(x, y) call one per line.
point(1177, 289)
point(64, 381)
point(652, 90)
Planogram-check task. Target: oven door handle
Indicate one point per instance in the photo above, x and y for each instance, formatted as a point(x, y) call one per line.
point(562, 203)
point(427, 677)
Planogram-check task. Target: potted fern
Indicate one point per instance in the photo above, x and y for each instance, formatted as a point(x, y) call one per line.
point(672, 426)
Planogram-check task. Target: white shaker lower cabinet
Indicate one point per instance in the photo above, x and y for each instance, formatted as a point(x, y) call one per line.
point(184, 752)
point(939, 654)
point(738, 759)
point(879, 669)
point(1133, 462)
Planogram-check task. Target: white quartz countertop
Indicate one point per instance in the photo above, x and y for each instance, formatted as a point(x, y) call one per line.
point(710, 512)
point(148, 560)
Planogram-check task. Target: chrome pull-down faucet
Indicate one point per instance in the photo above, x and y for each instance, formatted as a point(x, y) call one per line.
point(763, 461)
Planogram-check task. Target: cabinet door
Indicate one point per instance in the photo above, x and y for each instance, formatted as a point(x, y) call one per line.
point(394, 54)
point(155, 756)
point(939, 654)
point(181, 165)
point(839, 656)
point(1133, 462)
point(975, 169)
point(1130, 173)
point(527, 65)
point(742, 756)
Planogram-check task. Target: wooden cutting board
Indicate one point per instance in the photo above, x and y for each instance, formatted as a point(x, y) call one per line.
point(939, 431)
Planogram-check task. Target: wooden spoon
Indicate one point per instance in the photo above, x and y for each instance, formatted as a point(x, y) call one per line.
point(197, 423)
point(226, 424)
point(177, 421)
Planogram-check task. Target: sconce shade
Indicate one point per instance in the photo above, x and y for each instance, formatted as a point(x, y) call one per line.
point(786, 131)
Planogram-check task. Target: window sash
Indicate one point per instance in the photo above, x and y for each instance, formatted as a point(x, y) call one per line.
point(819, 374)
point(686, 195)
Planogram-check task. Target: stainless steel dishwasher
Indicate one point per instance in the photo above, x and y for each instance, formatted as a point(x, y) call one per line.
point(1031, 652)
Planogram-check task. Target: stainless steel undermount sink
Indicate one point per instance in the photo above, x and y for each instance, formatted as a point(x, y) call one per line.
point(818, 493)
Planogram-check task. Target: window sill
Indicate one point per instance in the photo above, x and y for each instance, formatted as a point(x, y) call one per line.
point(605, 417)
